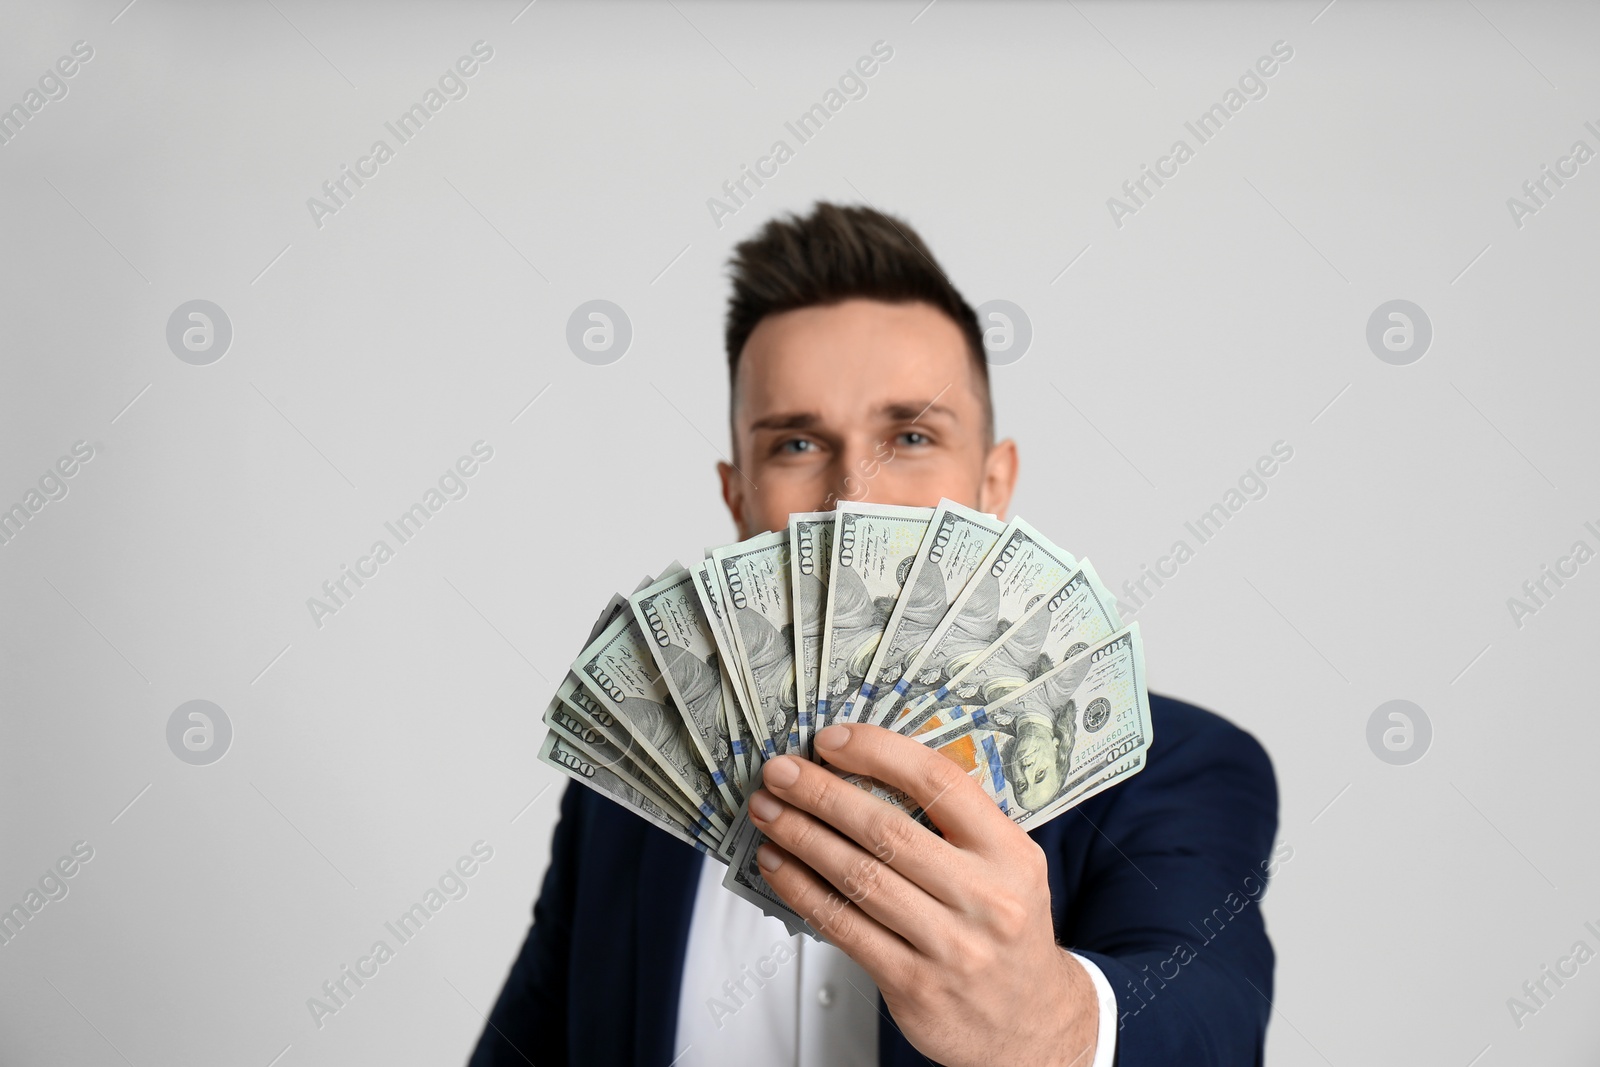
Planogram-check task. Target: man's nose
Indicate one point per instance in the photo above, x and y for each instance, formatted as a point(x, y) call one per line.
point(856, 473)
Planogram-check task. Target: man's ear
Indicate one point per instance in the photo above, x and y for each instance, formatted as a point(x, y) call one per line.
point(999, 478)
point(733, 494)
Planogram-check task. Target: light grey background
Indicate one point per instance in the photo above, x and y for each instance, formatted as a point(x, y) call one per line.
point(368, 354)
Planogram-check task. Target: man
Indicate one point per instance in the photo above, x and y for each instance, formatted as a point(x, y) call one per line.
point(857, 371)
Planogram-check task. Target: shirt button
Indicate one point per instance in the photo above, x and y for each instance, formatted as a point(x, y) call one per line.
point(825, 996)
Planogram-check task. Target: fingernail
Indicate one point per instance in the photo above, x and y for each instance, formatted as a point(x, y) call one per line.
point(764, 806)
point(781, 772)
point(832, 738)
point(768, 857)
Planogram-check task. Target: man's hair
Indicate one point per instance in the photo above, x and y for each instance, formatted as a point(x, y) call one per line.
point(839, 253)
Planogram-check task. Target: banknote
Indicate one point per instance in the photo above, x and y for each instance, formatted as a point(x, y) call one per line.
point(1021, 566)
point(740, 740)
point(714, 599)
point(755, 576)
point(957, 541)
point(873, 547)
point(599, 750)
point(574, 713)
point(811, 548)
point(1056, 628)
point(670, 615)
point(619, 671)
point(1072, 731)
point(570, 759)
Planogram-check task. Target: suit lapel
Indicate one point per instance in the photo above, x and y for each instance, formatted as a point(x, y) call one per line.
point(669, 873)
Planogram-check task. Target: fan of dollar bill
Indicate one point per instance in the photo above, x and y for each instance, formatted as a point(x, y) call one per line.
point(980, 639)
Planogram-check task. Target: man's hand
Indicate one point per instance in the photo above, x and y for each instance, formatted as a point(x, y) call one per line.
point(955, 931)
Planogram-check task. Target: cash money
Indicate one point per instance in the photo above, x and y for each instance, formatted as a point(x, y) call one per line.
point(1062, 737)
point(597, 749)
point(670, 615)
point(569, 759)
point(1005, 656)
point(708, 586)
point(619, 671)
point(1056, 628)
point(740, 741)
point(1022, 565)
point(874, 546)
point(810, 551)
point(957, 541)
point(575, 714)
point(755, 577)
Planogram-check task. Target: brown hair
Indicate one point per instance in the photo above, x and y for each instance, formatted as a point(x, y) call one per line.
point(837, 253)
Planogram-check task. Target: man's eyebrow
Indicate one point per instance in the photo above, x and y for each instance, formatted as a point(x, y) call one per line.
point(792, 420)
point(912, 410)
point(894, 411)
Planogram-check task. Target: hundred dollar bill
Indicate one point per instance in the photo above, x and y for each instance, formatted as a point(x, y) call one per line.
point(1064, 736)
point(738, 742)
point(958, 539)
point(575, 711)
point(740, 738)
point(1056, 628)
point(874, 546)
point(1021, 565)
point(599, 750)
point(570, 760)
point(755, 575)
point(680, 636)
point(618, 670)
point(811, 549)
point(713, 598)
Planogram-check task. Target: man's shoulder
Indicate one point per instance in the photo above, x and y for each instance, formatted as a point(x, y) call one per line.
point(1197, 761)
point(1184, 732)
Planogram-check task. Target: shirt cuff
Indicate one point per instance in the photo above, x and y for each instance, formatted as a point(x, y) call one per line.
point(1105, 1052)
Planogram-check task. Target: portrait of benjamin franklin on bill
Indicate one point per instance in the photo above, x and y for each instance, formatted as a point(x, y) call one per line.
point(1040, 728)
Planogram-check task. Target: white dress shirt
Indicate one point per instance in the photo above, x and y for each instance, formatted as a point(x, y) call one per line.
point(752, 994)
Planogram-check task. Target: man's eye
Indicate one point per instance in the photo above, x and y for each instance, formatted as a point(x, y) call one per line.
point(797, 445)
point(913, 438)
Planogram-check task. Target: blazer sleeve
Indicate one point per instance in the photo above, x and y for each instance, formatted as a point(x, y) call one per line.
point(1168, 903)
point(529, 1021)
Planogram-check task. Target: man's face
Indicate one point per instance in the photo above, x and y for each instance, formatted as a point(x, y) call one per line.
point(864, 401)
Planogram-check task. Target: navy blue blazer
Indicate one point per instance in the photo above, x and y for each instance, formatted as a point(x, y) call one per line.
point(1158, 880)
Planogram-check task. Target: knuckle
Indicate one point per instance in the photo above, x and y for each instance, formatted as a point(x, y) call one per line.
point(864, 880)
point(974, 960)
point(912, 981)
point(939, 775)
point(837, 918)
point(1039, 873)
point(891, 834)
point(1034, 862)
point(815, 792)
point(1009, 917)
point(800, 832)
